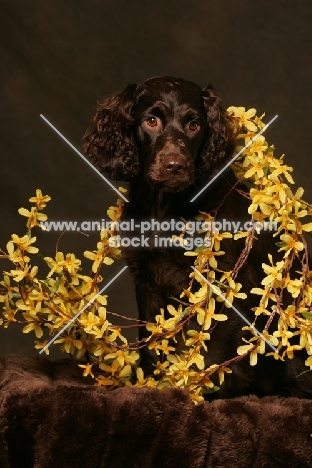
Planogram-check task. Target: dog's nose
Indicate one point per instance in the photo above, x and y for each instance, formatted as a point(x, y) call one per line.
point(174, 163)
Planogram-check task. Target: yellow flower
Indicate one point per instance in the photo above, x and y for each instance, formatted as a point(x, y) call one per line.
point(276, 356)
point(244, 117)
point(140, 377)
point(307, 227)
point(175, 313)
point(32, 307)
point(23, 243)
point(284, 334)
point(308, 362)
point(98, 258)
point(201, 294)
point(218, 237)
point(9, 314)
point(258, 147)
point(18, 275)
point(290, 351)
point(204, 317)
point(71, 263)
point(197, 338)
point(88, 321)
point(278, 191)
point(241, 235)
point(266, 295)
point(125, 373)
point(260, 200)
point(280, 169)
point(157, 328)
point(285, 222)
point(40, 200)
point(10, 290)
point(161, 368)
point(261, 217)
point(291, 244)
point(206, 380)
point(109, 241)
point(87, 369)
point(70, 343)
point(179, 368)
point(115, 212)
point(253, 357)
point(207, 255)
point(258, 121)
point(87, 345)
point(122, 189)
point(274, 272)
point(87, 284)
point(116, 333)
point(231, 293)
point(63, 309)
point(102, 315)
point(113, 369)
point(163, 346)
point(222, 371)
point(260, 310)
point(34, 324)
point(244, 349)
point(123, 357)
point(102, 299)
point(34, 218)
point(197, 359)
point(207, 225)
point(40, 345)
point(306, 340)
point(55, 265)
point(101, 380)
point(16, 256)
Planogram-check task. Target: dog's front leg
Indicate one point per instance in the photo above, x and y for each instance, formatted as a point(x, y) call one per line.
point(150, 301)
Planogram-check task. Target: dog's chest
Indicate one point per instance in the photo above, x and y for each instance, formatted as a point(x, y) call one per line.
point(170, 269)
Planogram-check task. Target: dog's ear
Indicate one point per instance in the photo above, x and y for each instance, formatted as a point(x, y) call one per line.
point(220, 140)
point(108, 142)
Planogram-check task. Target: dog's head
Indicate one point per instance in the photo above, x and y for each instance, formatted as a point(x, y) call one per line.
point(167, 130)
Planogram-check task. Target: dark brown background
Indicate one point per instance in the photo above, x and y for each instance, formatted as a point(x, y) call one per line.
point(58, 57)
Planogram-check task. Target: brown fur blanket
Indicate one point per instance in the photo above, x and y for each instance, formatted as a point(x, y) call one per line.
point(51, 417)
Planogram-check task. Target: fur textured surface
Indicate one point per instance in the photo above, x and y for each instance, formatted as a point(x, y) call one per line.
point(50, 416)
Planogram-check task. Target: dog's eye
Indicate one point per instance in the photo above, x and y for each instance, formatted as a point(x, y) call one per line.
point(193, 125)
point(151, 121)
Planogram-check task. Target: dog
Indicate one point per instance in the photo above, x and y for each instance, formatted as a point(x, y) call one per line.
point(168, 137)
